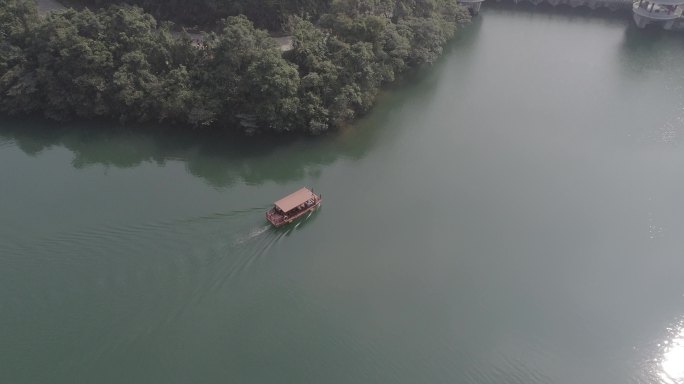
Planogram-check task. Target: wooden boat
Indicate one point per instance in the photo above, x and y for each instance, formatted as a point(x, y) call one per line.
point(293, 206)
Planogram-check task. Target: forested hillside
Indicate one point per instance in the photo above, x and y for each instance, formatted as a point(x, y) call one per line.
point(120, 62)
point(268, 14)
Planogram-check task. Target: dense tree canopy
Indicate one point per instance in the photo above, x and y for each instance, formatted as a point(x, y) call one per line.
point(268, 14)
point(119, 62)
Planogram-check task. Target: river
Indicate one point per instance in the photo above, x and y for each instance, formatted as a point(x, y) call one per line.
point(514, 214)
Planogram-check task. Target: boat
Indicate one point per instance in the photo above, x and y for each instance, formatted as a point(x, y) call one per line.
point(293, 206)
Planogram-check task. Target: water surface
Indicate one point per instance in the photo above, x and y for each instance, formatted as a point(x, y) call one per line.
point(512, 215)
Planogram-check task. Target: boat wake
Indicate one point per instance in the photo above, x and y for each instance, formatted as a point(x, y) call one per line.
point(254, 233)
point(245, 252)
point(6, 143)
point(167, 266)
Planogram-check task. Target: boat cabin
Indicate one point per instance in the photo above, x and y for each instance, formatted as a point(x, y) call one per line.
point(293, 206)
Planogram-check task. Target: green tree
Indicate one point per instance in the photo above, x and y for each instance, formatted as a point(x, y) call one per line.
point(18, 18)
point(247, 77)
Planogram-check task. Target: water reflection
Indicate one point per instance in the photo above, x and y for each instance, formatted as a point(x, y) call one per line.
point(220, 160)
point(649, 66)
point(651, 49)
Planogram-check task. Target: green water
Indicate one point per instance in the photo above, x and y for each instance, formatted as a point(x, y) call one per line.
point(513, 215)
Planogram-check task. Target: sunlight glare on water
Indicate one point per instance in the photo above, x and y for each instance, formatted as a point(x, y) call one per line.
point(671, 365)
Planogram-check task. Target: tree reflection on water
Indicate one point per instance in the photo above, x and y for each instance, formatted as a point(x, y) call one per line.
point(219, 159)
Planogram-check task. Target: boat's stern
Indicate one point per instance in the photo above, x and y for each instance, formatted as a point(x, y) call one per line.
point(274, 217)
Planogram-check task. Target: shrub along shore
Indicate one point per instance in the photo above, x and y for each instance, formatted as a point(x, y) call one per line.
point(119, 62)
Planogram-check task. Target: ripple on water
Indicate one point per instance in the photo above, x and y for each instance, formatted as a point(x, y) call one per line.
point(5, 143)
point(136, 277)
point(252, 244)
point(511, 363)
point(655, 231)
point(670, 131)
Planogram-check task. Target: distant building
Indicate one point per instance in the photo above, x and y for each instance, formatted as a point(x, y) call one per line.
point(667, 13)
point(612, 5)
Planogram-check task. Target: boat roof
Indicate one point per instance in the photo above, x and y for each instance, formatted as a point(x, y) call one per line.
point(294, 199)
